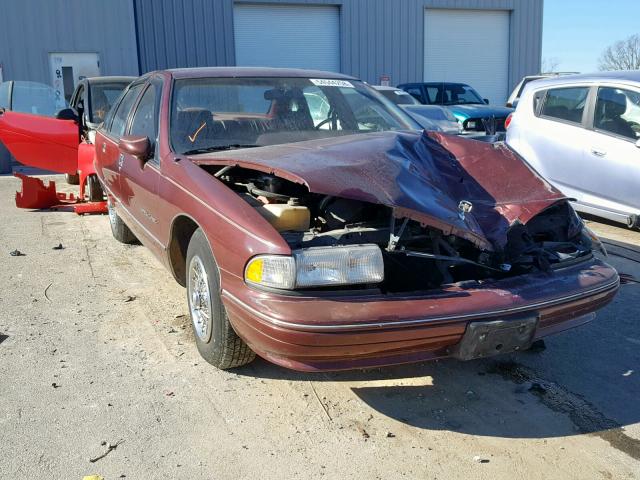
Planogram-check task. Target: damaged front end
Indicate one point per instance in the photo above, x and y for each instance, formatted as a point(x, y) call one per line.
point(412, 217)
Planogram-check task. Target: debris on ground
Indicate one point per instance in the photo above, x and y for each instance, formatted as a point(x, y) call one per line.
point(110, 447)
point(93, 477)
point(537, 388)
point(626, 279)
point(479, 459)
point(17, 253)
point(130, 298)
point(391, 435)
point(58, 247)
point(46, 290)
point(55, 385)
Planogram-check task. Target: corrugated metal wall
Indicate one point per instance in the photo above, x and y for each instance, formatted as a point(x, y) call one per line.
point(377, 36)
point(31, 29)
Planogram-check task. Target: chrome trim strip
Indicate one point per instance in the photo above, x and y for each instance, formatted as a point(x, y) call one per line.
point(404, 323)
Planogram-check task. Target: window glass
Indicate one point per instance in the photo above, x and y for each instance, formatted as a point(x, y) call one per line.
point(399, 97)
point(144, 120)
point(103, 97)
point(4, 95)
point(122, 112)
point(565, 103)
point(618, 112)
point(417, 94)
point(318, 104)
point(36, 98)
point(218, 113)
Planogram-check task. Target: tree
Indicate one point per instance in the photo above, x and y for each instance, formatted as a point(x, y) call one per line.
point(549, 65)
point(622, 55)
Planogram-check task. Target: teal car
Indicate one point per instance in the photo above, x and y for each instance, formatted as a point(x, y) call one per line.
point(472, 111)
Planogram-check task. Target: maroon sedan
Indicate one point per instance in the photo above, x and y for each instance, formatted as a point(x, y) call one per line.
point(313, 225)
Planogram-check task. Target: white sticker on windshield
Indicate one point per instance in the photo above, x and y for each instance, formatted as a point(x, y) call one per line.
point(400, 92)
point(327, 82)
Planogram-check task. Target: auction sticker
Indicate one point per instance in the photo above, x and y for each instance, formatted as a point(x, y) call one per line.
point(326, 82)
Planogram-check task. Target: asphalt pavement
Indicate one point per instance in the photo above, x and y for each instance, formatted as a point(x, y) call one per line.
point(99, 374)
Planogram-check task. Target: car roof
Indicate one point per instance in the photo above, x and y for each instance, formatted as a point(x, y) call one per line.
point(232, 72)
point(386, 87)
point(622, 75)
point(457, 84)
point(111, 79)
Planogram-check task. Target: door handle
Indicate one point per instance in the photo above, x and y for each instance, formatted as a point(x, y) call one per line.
point(104, 147)
point(598, 153)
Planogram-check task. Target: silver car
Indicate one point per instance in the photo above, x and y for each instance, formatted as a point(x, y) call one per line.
point(582, 132)
point(429, 117)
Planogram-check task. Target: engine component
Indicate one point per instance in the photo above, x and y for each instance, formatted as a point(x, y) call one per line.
point(288, 216)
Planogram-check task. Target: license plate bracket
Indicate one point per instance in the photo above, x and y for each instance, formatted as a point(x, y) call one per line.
point(488, 338)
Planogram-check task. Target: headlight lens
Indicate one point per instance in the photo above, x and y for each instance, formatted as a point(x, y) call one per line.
point(317, 267)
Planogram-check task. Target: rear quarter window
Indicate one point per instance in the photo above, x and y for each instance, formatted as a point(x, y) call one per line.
point(566, 104)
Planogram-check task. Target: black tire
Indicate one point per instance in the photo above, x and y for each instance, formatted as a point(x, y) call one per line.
point(94, 189)
point(72, 179)
point(216, 340)
point(119, 229)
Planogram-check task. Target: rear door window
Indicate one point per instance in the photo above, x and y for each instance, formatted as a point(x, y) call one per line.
point(618, 112)
point(121, 114)
point(566, 104)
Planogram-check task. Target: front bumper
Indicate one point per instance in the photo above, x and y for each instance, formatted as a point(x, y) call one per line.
point(316, 332)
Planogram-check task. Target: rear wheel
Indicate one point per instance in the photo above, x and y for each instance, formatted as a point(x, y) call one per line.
point(94, 189)
point(216, 340)
point(72, 178)
point(119, 229)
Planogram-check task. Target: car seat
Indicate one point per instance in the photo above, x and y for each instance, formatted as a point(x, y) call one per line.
point(610, 107)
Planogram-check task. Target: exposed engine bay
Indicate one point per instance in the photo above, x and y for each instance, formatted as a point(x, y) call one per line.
point(416, 256)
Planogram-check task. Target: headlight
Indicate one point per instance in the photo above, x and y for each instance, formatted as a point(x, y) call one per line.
point(317, 267)
point(596, 243)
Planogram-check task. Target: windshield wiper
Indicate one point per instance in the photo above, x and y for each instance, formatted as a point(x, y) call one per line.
point(218, 148)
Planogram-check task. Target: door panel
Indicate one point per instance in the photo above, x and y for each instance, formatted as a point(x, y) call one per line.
point(42, 142)
point(613, 183)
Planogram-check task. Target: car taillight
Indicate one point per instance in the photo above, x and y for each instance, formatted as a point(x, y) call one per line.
point(507, 122)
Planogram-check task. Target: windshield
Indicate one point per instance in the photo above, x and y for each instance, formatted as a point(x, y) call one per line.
point(103, 96)
point(217, 113)
point(399, 97)
point(453, 94)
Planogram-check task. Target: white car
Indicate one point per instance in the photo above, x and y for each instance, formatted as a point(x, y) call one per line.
point(582, 132)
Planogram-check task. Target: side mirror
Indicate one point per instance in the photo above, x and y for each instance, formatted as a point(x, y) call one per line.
point(486, 100)
point(136, 146)
point(68, 114)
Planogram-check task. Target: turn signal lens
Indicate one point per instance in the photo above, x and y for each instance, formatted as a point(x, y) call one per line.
point(276, 271)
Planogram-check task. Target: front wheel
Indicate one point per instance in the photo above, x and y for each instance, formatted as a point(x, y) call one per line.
point(216, 340)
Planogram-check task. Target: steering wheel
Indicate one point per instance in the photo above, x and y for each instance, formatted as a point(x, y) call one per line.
point(323, 122)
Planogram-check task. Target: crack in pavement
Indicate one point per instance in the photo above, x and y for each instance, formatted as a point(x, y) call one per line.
point(583, 414)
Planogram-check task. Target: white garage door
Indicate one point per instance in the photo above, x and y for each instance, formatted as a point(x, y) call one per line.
point(287, 36)
point(468, 46)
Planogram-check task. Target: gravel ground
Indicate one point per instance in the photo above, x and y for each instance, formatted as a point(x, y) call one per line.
point(96, 350)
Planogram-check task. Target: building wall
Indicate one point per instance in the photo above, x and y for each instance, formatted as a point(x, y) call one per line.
point(134, 36)
point(377, 36)
point(31, 29)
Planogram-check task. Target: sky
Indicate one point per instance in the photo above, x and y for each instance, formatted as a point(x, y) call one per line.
point(575, 32)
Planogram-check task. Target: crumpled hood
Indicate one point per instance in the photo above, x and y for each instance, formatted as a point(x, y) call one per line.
point(423, 176)
point(478, 111)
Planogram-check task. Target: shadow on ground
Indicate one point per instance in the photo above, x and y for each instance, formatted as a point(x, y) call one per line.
point(587, 380)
